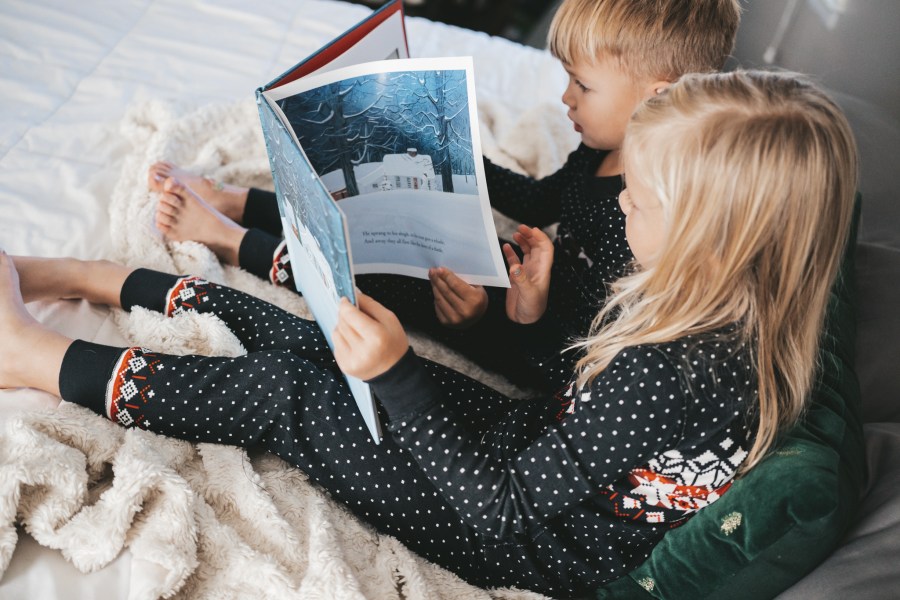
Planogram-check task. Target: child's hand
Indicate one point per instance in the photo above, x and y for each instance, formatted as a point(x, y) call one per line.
point(457, 304)
point(368, 340)
point(526, 300)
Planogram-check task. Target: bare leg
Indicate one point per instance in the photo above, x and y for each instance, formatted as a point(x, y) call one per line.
point(183, 216)
point(31, 354)
point(230, 200)
point(97, 281)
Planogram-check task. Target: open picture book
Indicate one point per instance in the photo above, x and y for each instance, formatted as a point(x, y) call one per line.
point(377, 164)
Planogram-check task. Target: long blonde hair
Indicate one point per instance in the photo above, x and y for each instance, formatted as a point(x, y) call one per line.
point(756, 174)
point(656, 39)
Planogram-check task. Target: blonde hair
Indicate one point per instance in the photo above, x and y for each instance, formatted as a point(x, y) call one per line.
point(756, 174)
point(656, 39)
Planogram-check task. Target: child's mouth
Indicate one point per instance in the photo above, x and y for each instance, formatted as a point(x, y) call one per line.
point(574, 122)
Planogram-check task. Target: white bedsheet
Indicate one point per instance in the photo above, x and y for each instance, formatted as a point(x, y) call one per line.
point(69, 71)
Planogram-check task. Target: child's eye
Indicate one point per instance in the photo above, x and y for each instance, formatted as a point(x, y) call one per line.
point(581, 86)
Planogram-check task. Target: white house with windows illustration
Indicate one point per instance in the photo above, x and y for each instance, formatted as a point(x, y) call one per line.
point(411, 171)
point(407, 171)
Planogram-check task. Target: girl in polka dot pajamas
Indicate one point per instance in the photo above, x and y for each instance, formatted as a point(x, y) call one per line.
point(740, 192)
point(617, 53)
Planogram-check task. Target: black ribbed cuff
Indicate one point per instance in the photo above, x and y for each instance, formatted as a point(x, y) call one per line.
point(85, 374)
point(148, 289)
point(257, 252)
point(261, 212)
point(405, 388)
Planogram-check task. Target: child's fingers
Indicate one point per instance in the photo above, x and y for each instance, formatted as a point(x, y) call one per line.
point(517, 276)
point(539, 237)
point(438, 283)
point(374, 309)
point(452, 285)
point(518, 239)
point(446, 314)
point(352, 323)
point(457, 292)
point(511, 257)
point(443, 297)
point(525, 242)
point(341, 347)
point(531, 235)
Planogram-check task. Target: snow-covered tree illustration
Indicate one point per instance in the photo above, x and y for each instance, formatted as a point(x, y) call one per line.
point(362, 119)
point(432, 110)
point(330, 129)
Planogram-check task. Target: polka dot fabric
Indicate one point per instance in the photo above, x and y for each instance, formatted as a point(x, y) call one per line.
point(590, 252)
point(555, 495)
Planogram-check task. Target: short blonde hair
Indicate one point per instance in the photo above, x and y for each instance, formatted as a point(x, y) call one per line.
point(756, 173)
point(657, 39)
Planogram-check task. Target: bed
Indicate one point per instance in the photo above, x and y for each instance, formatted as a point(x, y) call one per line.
point(90, 97)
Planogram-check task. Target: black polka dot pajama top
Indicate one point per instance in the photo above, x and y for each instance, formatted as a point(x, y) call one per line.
point(590, 252)
point(554, 495)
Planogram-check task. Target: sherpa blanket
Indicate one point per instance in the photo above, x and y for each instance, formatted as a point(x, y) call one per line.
point(204, 520)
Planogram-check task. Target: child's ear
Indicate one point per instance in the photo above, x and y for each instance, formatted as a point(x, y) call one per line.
point(656, 88)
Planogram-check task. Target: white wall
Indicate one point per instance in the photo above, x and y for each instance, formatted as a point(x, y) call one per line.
point(860, 56)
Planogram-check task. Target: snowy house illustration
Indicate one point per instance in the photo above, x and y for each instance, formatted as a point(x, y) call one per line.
point(335, 184)
point(410, 171)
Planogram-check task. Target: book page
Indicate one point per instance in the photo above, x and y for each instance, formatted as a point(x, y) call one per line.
point(397, 145)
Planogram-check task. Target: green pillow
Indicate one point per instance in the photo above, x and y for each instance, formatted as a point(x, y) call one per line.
point(790, 512)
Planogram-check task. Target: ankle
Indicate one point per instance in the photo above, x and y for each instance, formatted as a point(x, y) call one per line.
point(100, 281)
point(228, 247)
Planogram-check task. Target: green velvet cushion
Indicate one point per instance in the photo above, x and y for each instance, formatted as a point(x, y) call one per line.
point(789, 513)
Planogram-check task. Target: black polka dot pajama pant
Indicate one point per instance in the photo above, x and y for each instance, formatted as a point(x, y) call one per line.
point(287, 396)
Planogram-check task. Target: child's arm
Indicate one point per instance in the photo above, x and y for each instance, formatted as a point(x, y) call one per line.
point(529, 200)
point(547, 467)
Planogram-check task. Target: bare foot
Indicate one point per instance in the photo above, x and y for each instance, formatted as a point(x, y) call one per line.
point(182, 215)
point(230, 200)
point(31, 354)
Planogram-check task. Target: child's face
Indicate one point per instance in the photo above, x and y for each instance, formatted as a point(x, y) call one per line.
point(645, 224)
point(601, 99)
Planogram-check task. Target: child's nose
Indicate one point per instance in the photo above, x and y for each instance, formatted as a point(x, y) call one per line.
point(568, 97)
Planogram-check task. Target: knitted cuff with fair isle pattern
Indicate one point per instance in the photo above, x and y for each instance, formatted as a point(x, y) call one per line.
point(131, 385)
point(281, 273)
point(266, 256)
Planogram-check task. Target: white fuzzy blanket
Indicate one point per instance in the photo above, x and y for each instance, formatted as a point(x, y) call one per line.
point(209, 521)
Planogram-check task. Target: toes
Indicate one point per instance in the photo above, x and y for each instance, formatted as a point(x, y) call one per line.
point(162, 167)
point(165, 222)
point(169, 205)
point(173, 186)
point(157, 175)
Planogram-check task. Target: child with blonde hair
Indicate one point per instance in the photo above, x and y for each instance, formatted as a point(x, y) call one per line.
point(617, 53)
point(739, 196)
